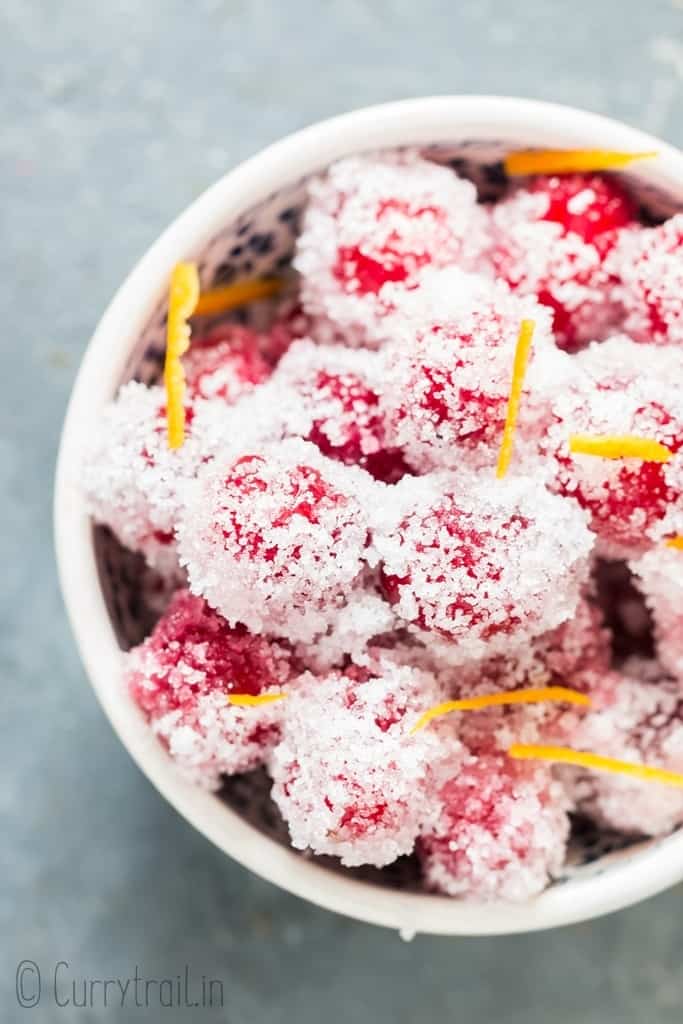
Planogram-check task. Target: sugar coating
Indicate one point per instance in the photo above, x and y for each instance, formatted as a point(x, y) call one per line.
point(574, 655)
point(659, 574)
point(552, 239)
point(274, 537)
point(580, 645)
point(379, 219)
point(620, 390)
point(502, 832)
point(644, 725)
point(348, 778)
point(330, 396)
point(225, 364)
point(448, 369)
point(649, 264)
point(181, 676)
point(132, 481)
point(575, 649)
point(474, 560)
point(363, 620)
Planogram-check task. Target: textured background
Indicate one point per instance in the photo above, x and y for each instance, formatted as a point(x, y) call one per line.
point(115, 116)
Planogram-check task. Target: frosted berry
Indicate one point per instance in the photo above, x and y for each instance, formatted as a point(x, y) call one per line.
point(448, 369)
point(348, 777)
point(620, 391)
point(225, 364)
point(587, 205)
point(649, 262)
point(181, 677)
point(552, 240)
point(331, 397)
point(502, 832)
point(132, 481)
point(644, 725)
point(373, 221)
point(274, 538)
point(474, 561)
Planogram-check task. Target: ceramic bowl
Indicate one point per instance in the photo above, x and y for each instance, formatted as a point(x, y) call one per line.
point(244, 225)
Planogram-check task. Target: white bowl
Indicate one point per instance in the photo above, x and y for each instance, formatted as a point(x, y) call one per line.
point(477, 128)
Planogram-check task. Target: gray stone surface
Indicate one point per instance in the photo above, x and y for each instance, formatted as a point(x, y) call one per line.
point(115, 115)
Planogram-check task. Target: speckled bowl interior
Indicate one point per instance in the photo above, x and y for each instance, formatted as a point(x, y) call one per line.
point(261, 241)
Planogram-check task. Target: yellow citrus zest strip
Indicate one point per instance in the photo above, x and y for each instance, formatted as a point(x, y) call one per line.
point(566, 755)
point(489, 700)
point(564, 161)
point(182, 299)
point(246, 700)
point(522, 351)
point(675, 542)
point(230, 296)
point(619, 446)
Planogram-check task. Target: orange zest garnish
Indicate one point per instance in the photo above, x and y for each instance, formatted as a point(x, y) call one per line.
point(247, 700)
point(565, 755)
point(615, 446)
point(566, 161)
point(182, 299)
point(520, 362)
point(230, 296)
point(675, 542)
point(529, 696)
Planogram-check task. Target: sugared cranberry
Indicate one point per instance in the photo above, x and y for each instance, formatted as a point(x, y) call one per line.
point(552, 240)
point(502, 831)
point(649, 264)
point(330, 396)
point(448, 369)
point(225, 364)
point(181, 677)
point(475, 562)
point(275, 538)
point(349, 778)
point(643, 725)
point(377, 221)
point(619, 392)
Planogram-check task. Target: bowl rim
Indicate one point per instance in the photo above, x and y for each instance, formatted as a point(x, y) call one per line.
point(624, 881)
